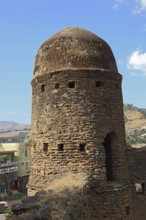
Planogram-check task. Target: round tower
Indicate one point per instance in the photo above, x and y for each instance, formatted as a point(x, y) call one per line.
point(77, 111)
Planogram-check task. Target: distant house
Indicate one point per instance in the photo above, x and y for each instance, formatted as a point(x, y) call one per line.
point(18, 154)
point(8, 170)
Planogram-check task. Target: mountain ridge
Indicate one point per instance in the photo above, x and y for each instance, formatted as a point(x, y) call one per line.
point(8, 126)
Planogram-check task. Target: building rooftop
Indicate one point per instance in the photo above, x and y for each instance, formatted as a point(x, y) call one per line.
point(4, 152)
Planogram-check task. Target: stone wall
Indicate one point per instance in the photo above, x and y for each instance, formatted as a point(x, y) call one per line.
point(137, 169)
point(69, 125)
point(69, 128)
point(88, 204)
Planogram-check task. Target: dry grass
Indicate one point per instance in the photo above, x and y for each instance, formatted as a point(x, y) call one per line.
point(133, 115)
point(68, 181)
point(9, 134)
point(136, 124)
point(136, 120)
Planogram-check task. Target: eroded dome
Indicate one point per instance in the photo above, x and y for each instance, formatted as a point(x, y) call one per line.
point(74, 48)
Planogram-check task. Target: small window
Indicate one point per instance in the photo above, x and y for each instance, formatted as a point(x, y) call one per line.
point(43, 87)
point(127, 210)
point(60, 147)
point(25, 152)
point(45, 147)
point(82, 147)
point(26, 165)
point(98, 83)
point(34, 147)
point(117, 86)
point(56, 85)
point(71, 84)
point(139, 188)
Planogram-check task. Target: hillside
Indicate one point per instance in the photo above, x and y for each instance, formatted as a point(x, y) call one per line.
point(6, 126)
point(13, 132)
point(135, 124)
point(135, 118)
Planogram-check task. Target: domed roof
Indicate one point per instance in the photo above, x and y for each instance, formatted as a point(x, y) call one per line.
point(74, 48)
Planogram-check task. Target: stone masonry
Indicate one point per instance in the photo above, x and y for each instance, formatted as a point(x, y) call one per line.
point(78, 122)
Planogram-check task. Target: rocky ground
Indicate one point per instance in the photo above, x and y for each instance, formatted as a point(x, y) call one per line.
point(51, 206)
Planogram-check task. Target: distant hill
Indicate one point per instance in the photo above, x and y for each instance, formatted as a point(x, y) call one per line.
point(135, 118)
point(7, 126)
point(135, 124)
point(13, 132)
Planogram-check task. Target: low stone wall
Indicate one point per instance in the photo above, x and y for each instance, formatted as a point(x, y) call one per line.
point(87, 204)
point(140, 207)
point(136, 158)
point(137, 164)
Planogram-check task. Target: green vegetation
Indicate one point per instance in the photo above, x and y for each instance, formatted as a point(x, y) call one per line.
point(15, 139)
point(128, 107)
point(15, 196)
point(136, 136)
point(4, 158)
point(125, 119)
point(8, 211)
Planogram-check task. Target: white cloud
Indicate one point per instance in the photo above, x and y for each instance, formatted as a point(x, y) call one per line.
point(137, 62)
point(140, 6)
point(12, 113)
point(118, 3)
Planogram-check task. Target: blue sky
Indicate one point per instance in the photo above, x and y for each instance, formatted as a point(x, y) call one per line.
point(26, 24)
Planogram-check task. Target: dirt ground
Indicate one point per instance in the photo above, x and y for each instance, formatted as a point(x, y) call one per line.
point(13, 202)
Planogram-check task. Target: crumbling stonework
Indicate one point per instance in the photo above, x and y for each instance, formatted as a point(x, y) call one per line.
point(137, 168)
point(78, 122)
point(69, 205)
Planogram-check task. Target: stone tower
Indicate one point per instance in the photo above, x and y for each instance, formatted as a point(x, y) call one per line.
point(77, 115)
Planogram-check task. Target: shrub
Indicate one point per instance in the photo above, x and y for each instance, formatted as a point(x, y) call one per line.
point(69, 181)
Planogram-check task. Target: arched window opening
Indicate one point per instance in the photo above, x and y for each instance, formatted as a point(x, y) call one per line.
point(108, 156)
